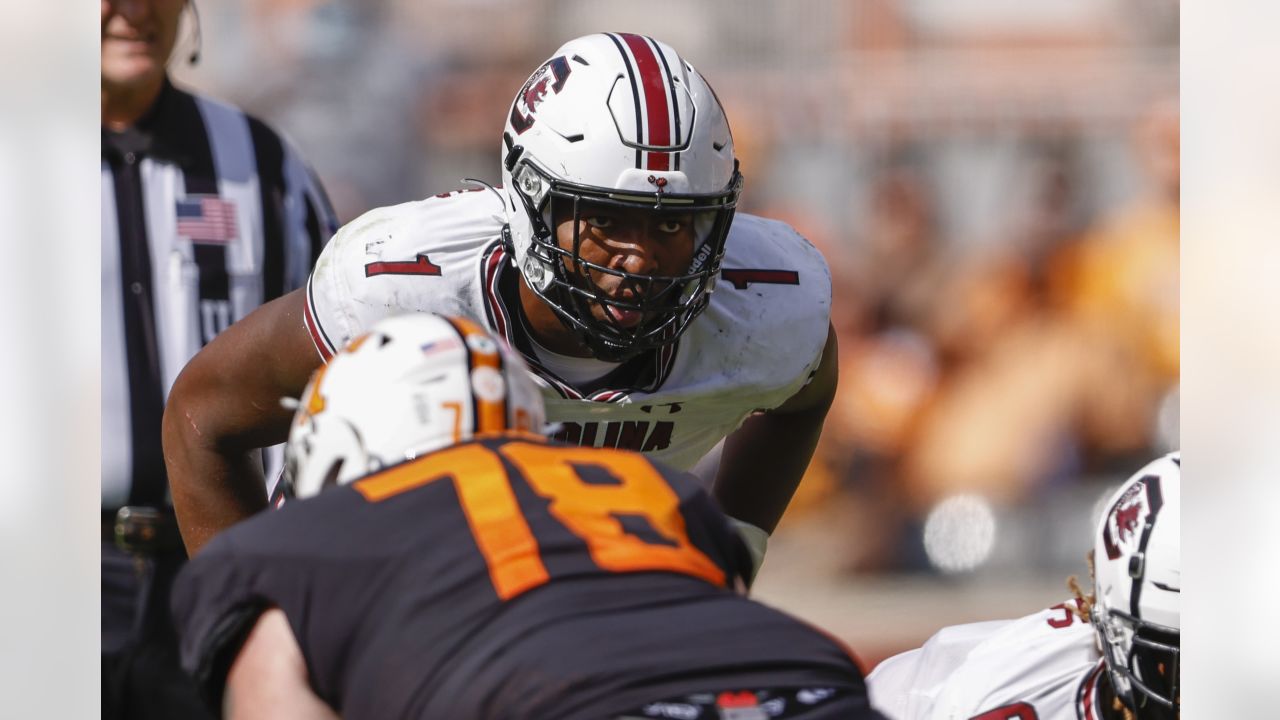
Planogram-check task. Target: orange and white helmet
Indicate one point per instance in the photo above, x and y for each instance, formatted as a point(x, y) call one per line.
point(411, 385)
point(1138, 586)
point(620, 120)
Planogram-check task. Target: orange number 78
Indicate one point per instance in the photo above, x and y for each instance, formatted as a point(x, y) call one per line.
point(587, 510)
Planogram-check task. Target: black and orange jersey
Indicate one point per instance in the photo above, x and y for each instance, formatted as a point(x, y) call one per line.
point(504, 577)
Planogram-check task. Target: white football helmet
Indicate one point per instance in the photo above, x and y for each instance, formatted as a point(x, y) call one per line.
point(411, 385)
point(1137, 582)
point(621, 120)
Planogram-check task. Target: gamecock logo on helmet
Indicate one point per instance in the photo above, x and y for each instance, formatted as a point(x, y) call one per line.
point(553, 74)
point(1130, 513)
point(1127, 520)
point(534, 95)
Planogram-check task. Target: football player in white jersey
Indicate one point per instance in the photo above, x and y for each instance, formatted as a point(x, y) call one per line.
point(596, 259)
point(1110, 656)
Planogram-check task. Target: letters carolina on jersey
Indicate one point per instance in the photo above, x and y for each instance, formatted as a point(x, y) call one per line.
point(755, 345)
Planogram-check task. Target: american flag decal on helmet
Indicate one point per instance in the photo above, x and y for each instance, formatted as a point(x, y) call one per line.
point(653, 91)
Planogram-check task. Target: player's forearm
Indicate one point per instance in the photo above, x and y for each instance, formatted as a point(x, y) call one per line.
point(763, 463)
point(764, 459)
point(214, 483)
point(224, 405)
point(227, 491)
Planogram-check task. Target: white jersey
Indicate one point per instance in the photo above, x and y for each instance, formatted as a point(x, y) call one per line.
point(1044, 666)
point(755, 345)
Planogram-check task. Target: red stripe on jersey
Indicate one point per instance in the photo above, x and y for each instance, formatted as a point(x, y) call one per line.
point(657, 111)
point(317, 338)
point(491, 296)
point(1088, 694)
point(495, 264)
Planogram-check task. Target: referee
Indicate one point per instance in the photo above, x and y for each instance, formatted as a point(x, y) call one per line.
point(206, 214)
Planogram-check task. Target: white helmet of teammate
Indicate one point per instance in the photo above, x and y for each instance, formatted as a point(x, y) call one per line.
point(411, 385)
point(621, 120)
point(1137, 582)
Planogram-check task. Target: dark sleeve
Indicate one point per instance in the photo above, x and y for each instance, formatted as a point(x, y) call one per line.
point(288, 558)
point(297, 218)
point(214, 608)
point(318, 220)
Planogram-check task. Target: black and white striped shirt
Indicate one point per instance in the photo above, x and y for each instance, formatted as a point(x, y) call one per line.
point(206, 214)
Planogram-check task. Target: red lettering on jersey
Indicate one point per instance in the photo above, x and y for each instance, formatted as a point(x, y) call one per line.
point(1016, 711)
point(419, 266)
point(741, 278)
point(1067, 618)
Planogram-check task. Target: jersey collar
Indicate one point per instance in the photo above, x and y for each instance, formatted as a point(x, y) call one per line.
point(164, 132)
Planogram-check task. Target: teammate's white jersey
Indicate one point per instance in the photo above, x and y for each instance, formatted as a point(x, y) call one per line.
point(1044, 666)
point(754, 346)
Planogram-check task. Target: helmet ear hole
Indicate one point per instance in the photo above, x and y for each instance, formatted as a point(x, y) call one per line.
point(331, 477)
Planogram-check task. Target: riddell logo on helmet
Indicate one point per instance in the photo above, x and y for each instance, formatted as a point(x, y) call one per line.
point(552, 74)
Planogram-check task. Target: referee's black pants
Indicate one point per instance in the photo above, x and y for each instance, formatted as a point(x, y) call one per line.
point(141, 674)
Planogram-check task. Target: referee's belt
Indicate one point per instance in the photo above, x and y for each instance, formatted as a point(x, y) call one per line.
point(141, 530)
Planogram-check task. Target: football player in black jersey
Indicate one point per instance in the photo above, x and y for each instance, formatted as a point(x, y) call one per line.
point(444, 560)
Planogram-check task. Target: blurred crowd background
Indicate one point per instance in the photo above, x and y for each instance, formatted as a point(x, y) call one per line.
point(994, 183)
